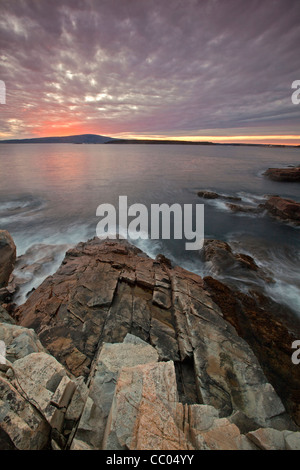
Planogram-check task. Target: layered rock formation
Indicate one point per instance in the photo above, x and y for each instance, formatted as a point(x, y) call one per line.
point(224, 262)
point(129, 352)
point(283, 174)
point(286, 210)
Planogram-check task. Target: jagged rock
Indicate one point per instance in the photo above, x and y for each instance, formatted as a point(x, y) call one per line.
point(245, 208)
point(208, 432)
point(146, 414)
point(7, 257)
point(208, 194)
point(5, 317)
point(283, 174)
point(224, 262)
point(5, 296)
point(212, 195)
point(19, 341)
point(77, 403)
point(107, 366)
point(46, 385)
point(286, 210)
point(242, 421)
point(270, 331)
point(292, 440)
point(143, 409)
point(89, 301)
point(22, 426)
point(267, 439)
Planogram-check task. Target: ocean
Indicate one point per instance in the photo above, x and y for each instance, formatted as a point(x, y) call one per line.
point(49, 194)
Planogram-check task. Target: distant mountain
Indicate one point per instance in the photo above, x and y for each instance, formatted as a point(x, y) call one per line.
point(71, 139)
point(102, 139)
point(161, 142)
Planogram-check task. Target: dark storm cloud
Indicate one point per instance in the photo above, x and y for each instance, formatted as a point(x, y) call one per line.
point(148, 65)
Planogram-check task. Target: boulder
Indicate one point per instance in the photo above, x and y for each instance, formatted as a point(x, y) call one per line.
point(19, 341)
point(222, 261)
point(283, 174)
point(22, 427)
point(5, 317)
point(146, 414)
point(143, 411)
point(292, 440)
point(270, 330)
point(286, 210)
point(107, 366)
point(45, 384)
point(212, 195)
point(267, 439)
point(7, 257)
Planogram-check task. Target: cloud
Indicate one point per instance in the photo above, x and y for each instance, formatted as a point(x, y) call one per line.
point(146, 66)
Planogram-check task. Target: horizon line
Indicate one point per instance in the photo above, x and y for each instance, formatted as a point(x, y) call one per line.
point(234, 139)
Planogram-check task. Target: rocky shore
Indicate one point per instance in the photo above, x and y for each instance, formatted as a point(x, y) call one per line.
point(120, 351)
point(282, 209)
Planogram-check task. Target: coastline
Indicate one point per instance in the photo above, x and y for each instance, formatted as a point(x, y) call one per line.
point(105, 291)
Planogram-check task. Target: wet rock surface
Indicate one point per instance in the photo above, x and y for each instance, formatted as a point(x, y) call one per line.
point(286, 210)
point(7, 257)
point(120, 351)
point(283, 174)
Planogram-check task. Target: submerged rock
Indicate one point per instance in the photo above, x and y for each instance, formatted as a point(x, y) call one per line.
point(212, 195)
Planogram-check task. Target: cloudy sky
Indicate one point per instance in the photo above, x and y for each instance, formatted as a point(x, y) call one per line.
point(198, 69)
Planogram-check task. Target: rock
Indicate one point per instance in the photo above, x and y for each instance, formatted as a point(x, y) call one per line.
point(223, 262)
point(208, 194)
point(21, 425)
point(107, 366)
point(292, 440)
point(5, 317)
point(142, 413)
point(19, 341)
point(5, 295)
point(45, 384)
point(242, 421)
point(245, 208)
point(76, 405)
point(146, 414)
point(209, 432)
point(267, 439)
point(7, 257)
point(97, 316)
point(32, 267)
point(131, 339)
point(89, 301)
point(286, 210)
point(283, 174)
point(212, 195)
point(270, 331)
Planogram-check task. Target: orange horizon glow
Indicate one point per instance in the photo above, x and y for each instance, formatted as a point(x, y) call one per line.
point(78, 129)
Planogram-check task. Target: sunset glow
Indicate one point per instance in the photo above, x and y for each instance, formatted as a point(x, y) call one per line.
point(164, 70)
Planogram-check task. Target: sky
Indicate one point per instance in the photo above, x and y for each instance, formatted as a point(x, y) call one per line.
point(217, 70)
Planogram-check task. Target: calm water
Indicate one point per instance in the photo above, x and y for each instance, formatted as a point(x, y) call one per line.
point(49, 194)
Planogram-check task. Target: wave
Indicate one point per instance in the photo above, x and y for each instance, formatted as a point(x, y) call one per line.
point(22, 209)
